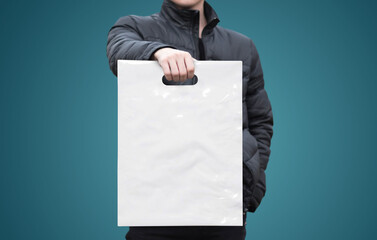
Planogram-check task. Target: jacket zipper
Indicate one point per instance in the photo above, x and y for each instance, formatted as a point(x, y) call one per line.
point(196, 37)
point(195, 34)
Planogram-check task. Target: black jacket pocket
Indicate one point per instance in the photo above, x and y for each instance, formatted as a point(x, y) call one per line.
point(251, 159)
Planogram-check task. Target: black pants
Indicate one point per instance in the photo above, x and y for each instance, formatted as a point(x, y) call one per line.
point(188, 232)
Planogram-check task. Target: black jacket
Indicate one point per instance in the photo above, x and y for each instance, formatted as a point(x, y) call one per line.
point(138, 37)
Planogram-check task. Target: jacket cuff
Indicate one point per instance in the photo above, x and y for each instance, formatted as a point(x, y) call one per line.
point(156, 46)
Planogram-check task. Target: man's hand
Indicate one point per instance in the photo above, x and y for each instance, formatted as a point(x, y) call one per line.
point(177, 65)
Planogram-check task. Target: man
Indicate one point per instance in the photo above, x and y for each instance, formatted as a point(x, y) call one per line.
point(183, 31)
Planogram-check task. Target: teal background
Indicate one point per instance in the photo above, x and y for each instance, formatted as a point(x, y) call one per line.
point(58, 117)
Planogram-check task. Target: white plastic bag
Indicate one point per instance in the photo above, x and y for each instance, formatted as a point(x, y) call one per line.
point(180, 146)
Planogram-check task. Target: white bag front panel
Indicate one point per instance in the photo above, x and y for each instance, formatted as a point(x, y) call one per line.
point(179, 146)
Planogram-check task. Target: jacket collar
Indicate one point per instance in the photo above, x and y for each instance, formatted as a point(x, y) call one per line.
point(187, 17)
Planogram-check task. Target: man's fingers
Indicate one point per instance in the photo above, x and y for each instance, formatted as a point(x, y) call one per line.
point(190, 66)
point(166, 69)
point(174, 70)
point(182, 69)
point(177, 65)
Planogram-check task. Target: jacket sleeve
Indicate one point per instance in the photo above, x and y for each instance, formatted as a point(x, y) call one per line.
point(260, 123)
point(125, 41)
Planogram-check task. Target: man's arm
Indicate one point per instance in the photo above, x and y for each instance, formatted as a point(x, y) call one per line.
point(260, 123)
point(125, 42)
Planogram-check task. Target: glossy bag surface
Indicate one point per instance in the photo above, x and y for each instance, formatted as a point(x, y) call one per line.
point(180, 146)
